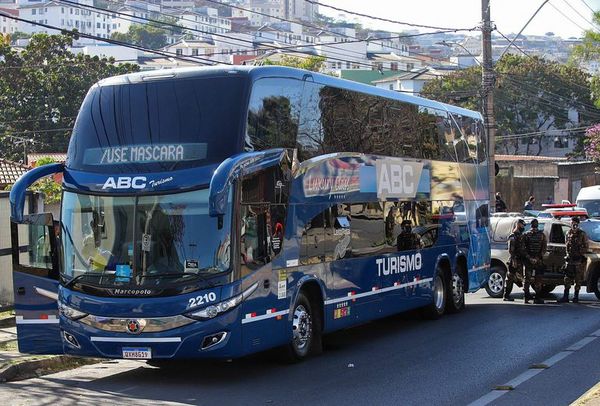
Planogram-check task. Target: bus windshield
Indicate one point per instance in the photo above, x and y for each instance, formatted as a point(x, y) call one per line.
point(130, 240)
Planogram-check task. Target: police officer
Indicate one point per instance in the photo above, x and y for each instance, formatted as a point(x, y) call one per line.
point(516, 249)
point(577, 245)
point(535, 245)
point(407, 240)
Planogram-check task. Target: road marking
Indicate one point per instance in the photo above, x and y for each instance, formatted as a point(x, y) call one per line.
point(530, 373)
point(525, 376)
point(556, 357)
point(581, 343)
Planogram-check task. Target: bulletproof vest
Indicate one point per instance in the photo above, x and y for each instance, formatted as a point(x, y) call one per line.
point(575, 243)
point(534, 242)
point(516, 245)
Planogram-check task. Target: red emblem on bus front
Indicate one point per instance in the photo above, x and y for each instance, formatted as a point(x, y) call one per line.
point(133, 327)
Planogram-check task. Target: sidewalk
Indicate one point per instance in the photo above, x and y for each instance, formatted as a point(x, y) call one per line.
point(590, 398)
point(16, 366)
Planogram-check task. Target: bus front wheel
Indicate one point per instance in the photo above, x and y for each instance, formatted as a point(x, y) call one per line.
point(305, 329)
point(436, 309)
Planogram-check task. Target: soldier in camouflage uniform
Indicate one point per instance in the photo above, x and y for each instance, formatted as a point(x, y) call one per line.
point(407, 240)
point(535, 246)
point(516, 249)
point(577, 245)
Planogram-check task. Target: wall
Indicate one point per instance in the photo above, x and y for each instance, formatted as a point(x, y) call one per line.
point(562, 180)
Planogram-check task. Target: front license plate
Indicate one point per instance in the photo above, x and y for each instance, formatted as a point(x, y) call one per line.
point(137, 353)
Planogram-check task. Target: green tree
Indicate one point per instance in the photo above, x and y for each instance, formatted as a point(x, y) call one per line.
point(589, 50)
point(531, 94)
point(41, 90)
point(312, 63)
point(47, 186)
point(151, 35)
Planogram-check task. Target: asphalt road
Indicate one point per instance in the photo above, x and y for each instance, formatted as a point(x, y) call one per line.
point(398, 360)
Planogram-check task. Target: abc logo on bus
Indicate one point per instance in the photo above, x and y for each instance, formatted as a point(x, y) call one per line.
point(125, 182)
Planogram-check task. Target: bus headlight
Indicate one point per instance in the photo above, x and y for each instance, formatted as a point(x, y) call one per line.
point(213, 311)
point(71, 313)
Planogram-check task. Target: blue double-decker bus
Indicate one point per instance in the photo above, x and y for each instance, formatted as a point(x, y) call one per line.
point(217, 212)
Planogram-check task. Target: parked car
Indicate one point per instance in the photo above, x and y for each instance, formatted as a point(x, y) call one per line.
point(555, 229)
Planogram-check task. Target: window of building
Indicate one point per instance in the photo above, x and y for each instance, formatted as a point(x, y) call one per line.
point(178, 51)
point(195, 51)
point(62, 10)
point(561, 142)
point(391, 86)
point(33, 11)
point(394, 66)
point(410, 66)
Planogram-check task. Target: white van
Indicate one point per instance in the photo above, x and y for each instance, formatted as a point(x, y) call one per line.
point(589, 198)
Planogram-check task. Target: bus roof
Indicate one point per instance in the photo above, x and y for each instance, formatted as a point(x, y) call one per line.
point(258, 72)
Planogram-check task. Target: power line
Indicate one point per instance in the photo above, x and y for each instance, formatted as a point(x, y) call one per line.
point(588, 6)
point(567, 17)
point(293, 48)
point(383, 19)
point(526, 24)
point(580, 15)
point(167, 54)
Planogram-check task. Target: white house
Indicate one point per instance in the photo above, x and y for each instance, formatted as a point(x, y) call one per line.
point(8, 25)
point(275, 10)
point(202, 22)
point(408, 82)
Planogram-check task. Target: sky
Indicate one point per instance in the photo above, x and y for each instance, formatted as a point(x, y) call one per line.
point(508, 15)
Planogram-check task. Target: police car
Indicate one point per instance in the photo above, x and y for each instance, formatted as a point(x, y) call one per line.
point(554, 223)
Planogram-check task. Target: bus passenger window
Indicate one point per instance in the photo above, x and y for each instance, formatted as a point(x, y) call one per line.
point(367, 229)
point(313, 237)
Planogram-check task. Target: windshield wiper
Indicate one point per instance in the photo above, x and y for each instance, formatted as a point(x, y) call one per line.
point(79, 277)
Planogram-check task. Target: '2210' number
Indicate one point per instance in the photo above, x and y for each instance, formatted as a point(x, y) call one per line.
point(202, 299)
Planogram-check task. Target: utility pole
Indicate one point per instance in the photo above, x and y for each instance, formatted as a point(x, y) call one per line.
point(487, 88)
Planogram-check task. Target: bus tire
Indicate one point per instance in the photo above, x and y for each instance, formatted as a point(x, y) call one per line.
point(306, 331)
point(595, 283)
point(439, 294)
point(456, 292)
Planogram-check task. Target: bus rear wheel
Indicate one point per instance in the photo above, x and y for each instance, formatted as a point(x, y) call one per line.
point(436, 309)
point(456, 294)
point(305, 330)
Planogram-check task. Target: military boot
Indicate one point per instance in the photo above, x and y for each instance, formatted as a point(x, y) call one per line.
point(538, 300)
point(565, 298)
point(576, 297)
point(528, 296)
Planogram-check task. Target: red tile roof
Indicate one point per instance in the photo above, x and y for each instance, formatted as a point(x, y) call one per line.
point(10, 171)
point(59, 157)
point(528, 158)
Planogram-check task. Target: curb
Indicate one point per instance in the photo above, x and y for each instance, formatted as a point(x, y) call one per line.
point(593, 393)
point(8, 322)
point(31, 368)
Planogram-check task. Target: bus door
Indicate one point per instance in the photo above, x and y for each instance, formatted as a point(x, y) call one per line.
point(35, 279)
point(263, 212)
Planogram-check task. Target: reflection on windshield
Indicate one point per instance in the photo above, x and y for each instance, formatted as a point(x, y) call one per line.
point(592, 229)
point(592, 207)
point(128, 238)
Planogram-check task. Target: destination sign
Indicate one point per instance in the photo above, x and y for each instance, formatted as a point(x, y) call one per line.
point(145, 153)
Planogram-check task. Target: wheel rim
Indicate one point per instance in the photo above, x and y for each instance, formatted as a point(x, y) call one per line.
point(496, 282)
point(438, 293)
point(458, 289)
point(301, 327)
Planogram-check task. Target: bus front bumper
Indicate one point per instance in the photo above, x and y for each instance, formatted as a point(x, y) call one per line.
point(215, 338)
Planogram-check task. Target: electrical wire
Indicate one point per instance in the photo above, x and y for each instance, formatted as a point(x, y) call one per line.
point(387, 20)
point(595, 26)
point(567, 17)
